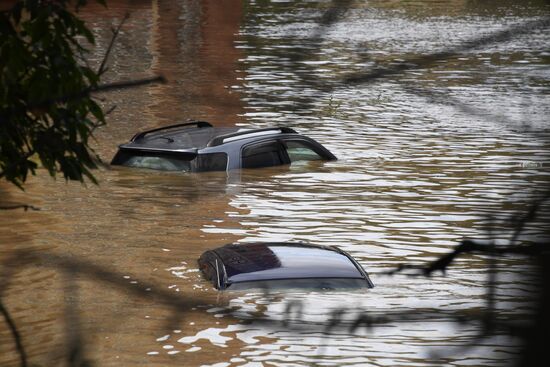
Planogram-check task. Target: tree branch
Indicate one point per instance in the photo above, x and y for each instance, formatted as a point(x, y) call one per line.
point(18, 206)
point(15, 334)
point(119, 85)
point(469, 246)
point(86, 92)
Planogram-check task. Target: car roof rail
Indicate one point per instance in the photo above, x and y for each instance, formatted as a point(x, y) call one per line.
point(219, 140)
point(199, 124)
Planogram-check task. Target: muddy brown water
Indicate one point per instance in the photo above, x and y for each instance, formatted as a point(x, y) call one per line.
point(417, 173)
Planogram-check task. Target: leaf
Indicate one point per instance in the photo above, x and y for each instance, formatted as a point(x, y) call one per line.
point(96, 111)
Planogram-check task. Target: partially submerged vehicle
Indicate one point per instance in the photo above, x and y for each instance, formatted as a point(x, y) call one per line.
point(282, 265)
point(198, 146)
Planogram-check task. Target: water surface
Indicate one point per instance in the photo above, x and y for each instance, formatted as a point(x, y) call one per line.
point(441, 152)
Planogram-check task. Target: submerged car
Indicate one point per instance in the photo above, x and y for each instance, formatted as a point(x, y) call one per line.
point(282, 265)
point(198, 146)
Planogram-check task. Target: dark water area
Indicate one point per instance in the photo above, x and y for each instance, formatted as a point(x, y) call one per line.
point(445, 150)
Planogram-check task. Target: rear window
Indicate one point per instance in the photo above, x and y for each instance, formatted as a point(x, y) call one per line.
point(161, 162)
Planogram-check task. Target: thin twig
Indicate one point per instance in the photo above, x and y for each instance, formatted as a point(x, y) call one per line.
point(102, 67)
point(110, 110)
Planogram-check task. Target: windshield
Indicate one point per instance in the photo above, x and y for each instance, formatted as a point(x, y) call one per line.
point(329, 284)
point(161, 162)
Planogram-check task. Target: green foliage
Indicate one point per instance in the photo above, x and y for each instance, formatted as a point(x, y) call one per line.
point(47, 115)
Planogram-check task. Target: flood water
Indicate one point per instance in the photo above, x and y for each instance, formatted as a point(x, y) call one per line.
point(447, 150)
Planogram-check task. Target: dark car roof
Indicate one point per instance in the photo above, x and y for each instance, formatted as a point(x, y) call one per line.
point(180, 137)
point(195, 135)
point(273, 261)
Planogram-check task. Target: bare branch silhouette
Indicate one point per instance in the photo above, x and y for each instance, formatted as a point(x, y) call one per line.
point(25, 207)
point(469, 246)
point(102, 68)
point(15, 334)
point(24, 258)
point(427, 60)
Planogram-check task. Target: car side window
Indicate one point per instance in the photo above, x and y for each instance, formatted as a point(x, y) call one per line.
point(300, 151)
point(263, 155)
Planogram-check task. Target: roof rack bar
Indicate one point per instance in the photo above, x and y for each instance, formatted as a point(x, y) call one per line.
point(219, 140)
point(199, 124)
point(157, 150)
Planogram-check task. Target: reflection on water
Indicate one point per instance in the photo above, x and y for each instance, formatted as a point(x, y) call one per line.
point(426, 158)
